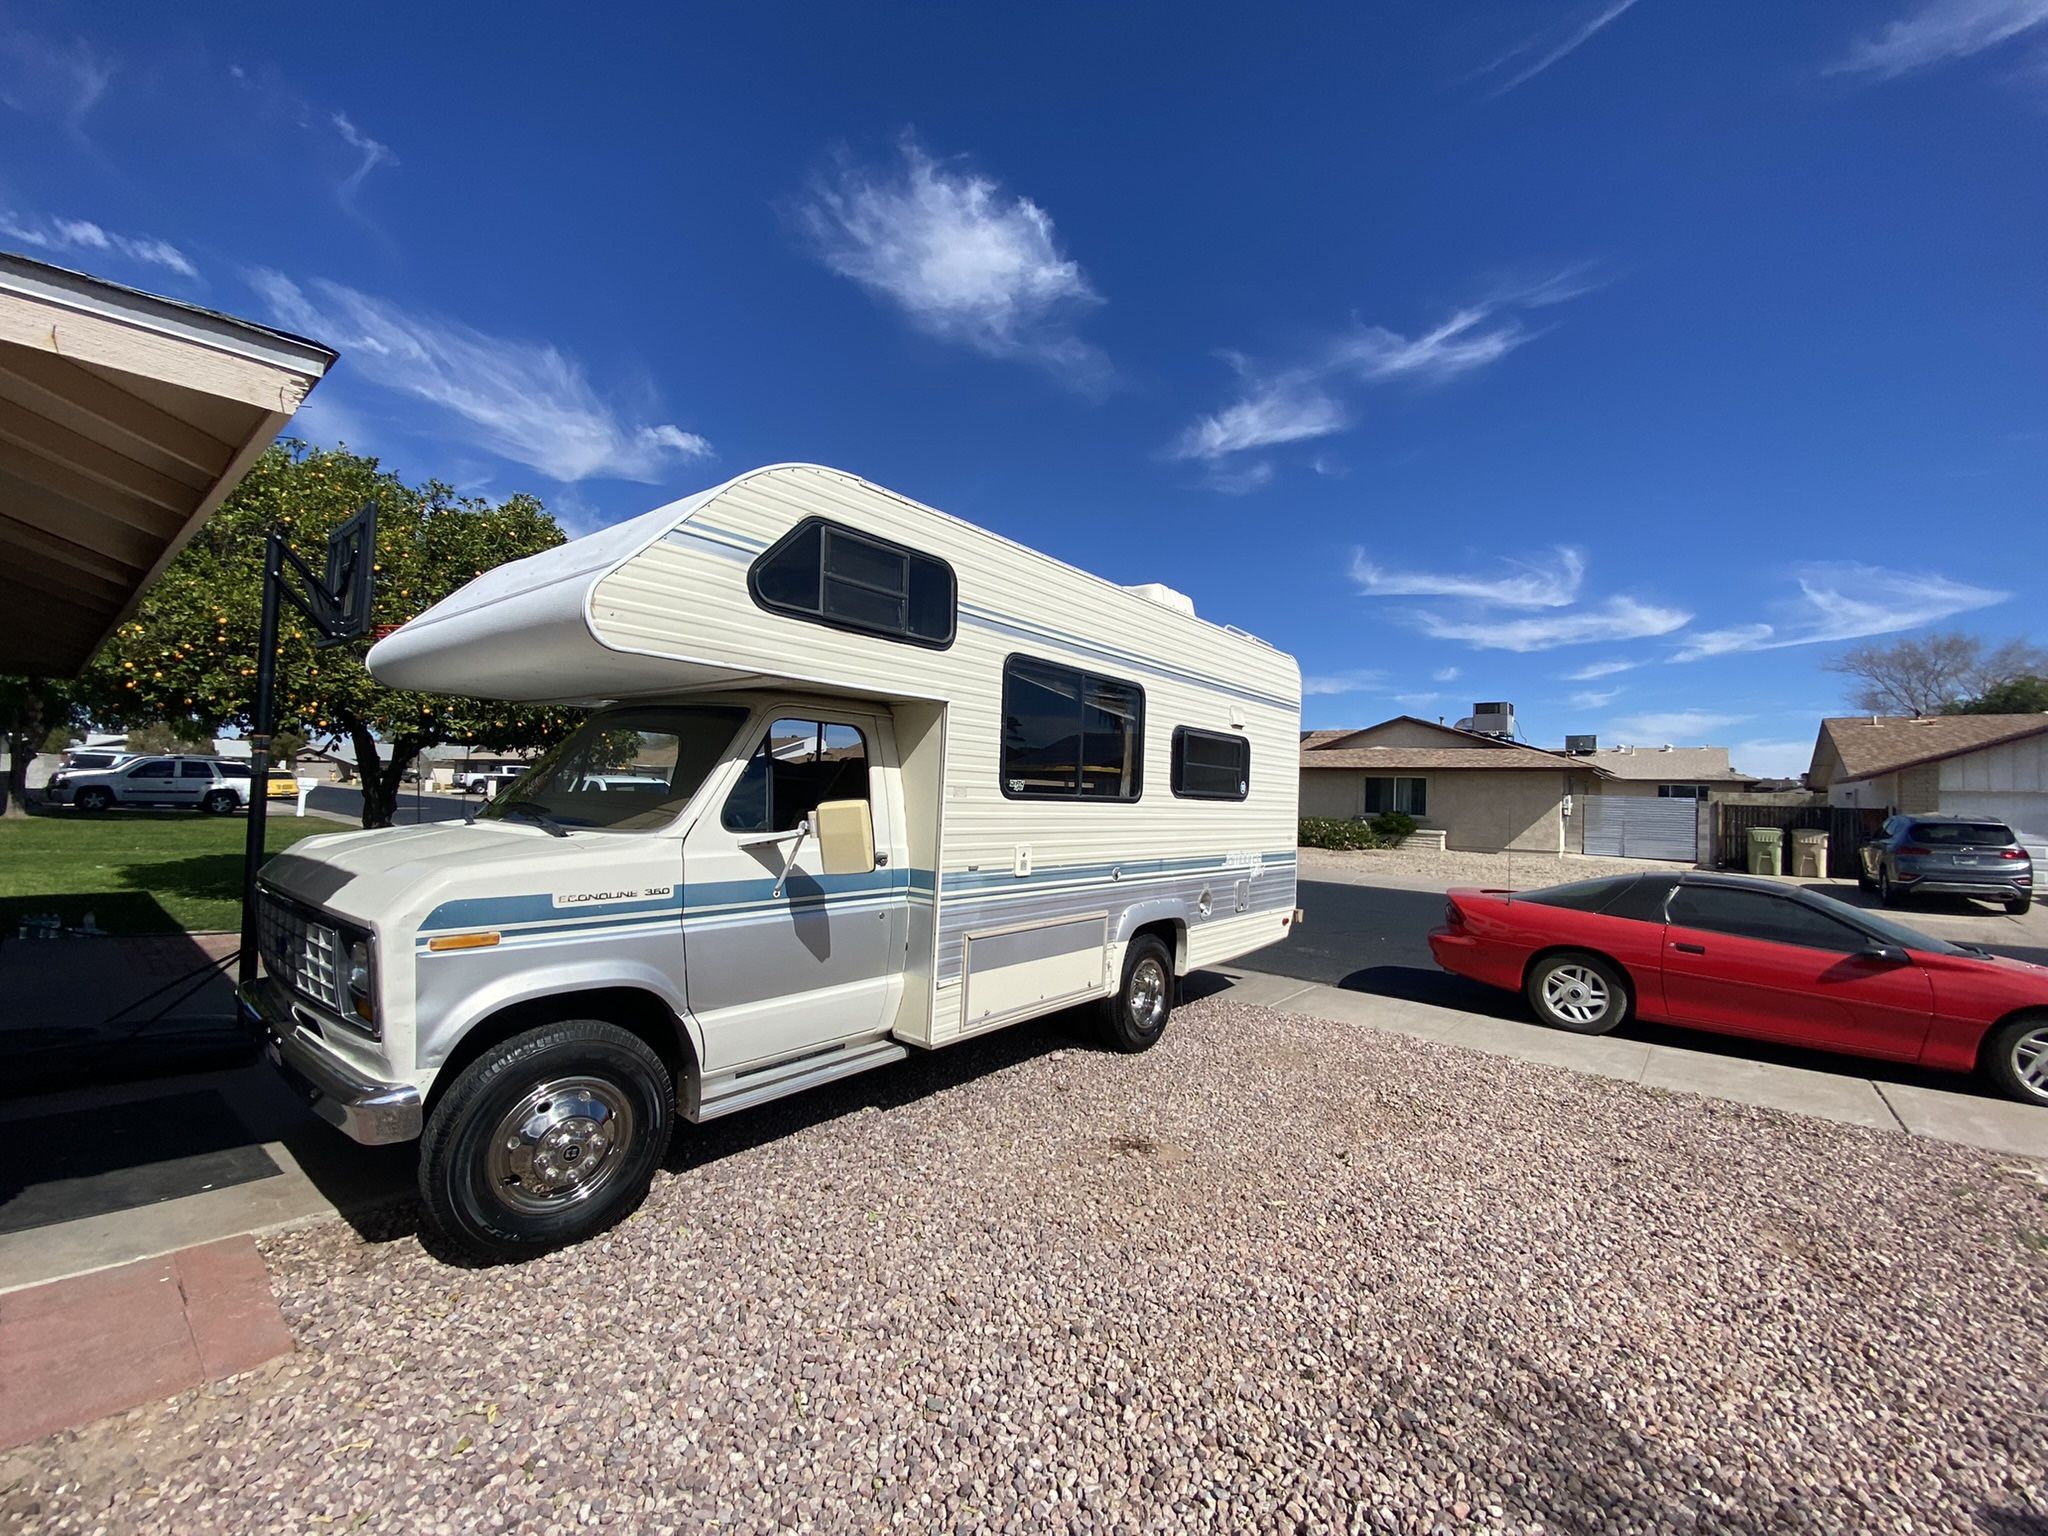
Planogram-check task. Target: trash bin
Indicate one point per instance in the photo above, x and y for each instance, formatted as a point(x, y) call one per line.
point(1766, 851)
point(1810, 855)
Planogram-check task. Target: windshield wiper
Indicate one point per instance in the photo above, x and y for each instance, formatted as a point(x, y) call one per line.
point(535, 812)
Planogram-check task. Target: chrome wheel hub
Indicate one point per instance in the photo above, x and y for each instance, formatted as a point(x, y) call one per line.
point(560, 1144)
point(2030, 1061)
point(1576, 993)
point(1147, 1002)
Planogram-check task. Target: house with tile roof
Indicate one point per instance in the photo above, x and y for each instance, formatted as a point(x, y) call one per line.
point(1962, 765)
point(1485, 794)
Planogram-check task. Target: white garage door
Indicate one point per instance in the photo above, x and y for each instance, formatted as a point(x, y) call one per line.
point(2026, 812)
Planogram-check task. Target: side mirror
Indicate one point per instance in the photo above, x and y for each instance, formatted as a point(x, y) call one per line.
point(1886, 954)
point(845, 830)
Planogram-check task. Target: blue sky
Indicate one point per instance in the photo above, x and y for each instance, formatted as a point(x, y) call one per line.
point(1622, 359)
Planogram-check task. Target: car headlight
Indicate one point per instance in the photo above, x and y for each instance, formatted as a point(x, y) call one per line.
point(361, 984)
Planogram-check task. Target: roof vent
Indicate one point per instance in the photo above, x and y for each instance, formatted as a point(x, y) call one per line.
point(1159, 592)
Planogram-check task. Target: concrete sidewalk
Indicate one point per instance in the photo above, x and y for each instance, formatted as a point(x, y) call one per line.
point(1972, 1119)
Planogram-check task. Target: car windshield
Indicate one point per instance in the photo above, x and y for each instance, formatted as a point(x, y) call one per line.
point(1960, 834)
point(626, 770)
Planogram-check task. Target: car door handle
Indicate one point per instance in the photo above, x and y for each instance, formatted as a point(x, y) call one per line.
point(1690, 949)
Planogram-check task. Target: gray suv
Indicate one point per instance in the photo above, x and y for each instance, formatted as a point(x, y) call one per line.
point(1947, 856)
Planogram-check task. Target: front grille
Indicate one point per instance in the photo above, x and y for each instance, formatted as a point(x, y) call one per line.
point(302, 954)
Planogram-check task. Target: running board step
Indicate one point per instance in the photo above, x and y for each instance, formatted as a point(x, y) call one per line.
point(749, 1086)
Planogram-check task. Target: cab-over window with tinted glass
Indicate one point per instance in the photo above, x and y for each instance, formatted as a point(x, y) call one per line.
point(832, 575)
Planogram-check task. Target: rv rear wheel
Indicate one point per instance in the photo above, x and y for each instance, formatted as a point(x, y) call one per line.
point(545, 1140)
point(1134, 1016)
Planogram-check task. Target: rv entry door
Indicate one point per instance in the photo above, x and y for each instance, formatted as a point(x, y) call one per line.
point(781, 958)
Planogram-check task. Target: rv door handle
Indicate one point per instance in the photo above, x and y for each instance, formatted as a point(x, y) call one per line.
point(1690, 949)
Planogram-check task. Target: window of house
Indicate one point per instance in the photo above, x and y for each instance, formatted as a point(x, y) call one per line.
point(1210, 765)
point(1408, 796)
point(1681, 791)
point(832, 575)
point(799, 765)
point(1760, 915)
point(1070, 734)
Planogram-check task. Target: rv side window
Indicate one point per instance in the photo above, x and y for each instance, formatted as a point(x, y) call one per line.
point(1070, 735)
point(832, 575)
point(1210, 765)
point(799, 765)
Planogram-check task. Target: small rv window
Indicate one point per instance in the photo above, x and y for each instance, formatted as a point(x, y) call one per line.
point(1210, 765)
point(1070, 735)
point(832, 575)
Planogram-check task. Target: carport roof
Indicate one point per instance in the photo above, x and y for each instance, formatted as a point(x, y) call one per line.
point(125, 418)
point(1868, 745)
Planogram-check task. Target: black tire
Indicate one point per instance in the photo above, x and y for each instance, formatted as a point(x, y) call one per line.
point(1582, 993)
point(473, 1200)
point(2015, 1058)
point(219, 802)
point(1863, 880)
point(1134, 1017)
point(2019, 904)
point(1888, 895)
point(94, 800)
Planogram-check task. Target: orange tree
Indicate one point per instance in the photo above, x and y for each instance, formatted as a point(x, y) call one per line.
point(189, 653)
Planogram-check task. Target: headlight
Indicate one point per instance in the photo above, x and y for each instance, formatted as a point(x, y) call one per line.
point(361, 995)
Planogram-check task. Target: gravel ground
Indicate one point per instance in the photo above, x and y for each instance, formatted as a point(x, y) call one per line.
point(1274, 1275)
point(1511, 871)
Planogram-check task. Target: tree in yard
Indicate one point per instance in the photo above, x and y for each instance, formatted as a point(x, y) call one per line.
point(170, 736)
point(190, 650)
point(1937, 674)
point(32, 710)
point(2023, 695)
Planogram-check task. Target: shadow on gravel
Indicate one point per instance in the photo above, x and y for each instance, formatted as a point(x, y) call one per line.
point(698, 1146)
point(2012, 1522)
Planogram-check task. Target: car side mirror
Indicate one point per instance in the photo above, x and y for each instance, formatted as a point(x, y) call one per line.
point(1885, 954)
point(845, 830)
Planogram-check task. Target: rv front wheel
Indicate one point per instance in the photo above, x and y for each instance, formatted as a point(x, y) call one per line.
point(1134, 1017)
point(545, 1140)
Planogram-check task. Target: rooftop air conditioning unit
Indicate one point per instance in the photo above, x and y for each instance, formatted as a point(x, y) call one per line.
point(1579, 746)
point(1490, 720)
point(1159, 592)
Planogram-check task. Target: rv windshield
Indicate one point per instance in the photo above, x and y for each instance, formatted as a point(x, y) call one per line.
point(626, 770)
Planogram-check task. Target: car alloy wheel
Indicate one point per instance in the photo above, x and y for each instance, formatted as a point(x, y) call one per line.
point(1575, 993)
point(2030, 1061)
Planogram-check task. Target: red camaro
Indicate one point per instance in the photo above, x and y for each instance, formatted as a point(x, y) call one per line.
point(1750, 957)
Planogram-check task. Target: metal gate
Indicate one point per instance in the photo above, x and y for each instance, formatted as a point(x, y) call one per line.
point(1632, 827)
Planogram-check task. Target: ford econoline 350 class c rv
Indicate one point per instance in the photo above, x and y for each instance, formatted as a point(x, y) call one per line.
point(860, 778)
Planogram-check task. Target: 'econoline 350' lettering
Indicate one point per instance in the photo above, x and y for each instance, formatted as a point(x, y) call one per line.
point(591, 898)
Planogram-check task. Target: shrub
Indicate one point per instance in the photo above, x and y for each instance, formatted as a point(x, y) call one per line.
point(1393, 825)
point(1332, 832)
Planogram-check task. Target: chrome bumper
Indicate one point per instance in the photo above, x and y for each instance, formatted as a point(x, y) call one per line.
point(372, 1112)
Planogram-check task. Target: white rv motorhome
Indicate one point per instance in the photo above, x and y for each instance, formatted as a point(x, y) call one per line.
point(860, 778)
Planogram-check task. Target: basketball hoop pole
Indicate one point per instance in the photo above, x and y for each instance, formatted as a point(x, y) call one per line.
point(338, 608)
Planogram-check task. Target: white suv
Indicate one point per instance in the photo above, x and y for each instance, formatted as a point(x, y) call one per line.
point(488, 781)
point(196, 782)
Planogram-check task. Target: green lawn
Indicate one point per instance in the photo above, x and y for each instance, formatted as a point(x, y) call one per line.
point(135, 871)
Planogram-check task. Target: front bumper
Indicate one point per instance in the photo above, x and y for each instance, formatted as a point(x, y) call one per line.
point(372, 1112)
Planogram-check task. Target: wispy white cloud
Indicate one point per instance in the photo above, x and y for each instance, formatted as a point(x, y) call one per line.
point(40, 77)
point(963, 260)
point(1417, 700)
point(1303, 400)
point(1938, 31)
point(1595, 698)
point(1600, 669)
point(1538, 53)
point(1238, 479)
point(1846, 601)
point(1445, 675)
point(374, 154)
point(1343, 682)
point(60, 236)
point(1784, 758)
point(526, 402)
point(1618, 618)
point(1551, 582)
point(1680, 727)
point(1278, 411)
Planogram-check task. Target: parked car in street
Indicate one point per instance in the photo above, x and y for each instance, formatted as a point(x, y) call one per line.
point(488, 781)
point(197, 782)
point(83, 759)
point(1947, 856)
point(1741, 956)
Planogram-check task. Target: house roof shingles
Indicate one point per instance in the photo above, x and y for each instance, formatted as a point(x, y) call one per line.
point(1870, 746)
point(1408, 758)
point(1668, 765)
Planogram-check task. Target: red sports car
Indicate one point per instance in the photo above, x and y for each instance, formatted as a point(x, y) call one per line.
point(1752, 957)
